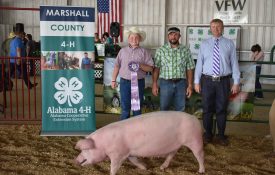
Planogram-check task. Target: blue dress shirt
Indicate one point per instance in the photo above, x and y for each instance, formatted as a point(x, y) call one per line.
point(17, 42)
point(228, 60)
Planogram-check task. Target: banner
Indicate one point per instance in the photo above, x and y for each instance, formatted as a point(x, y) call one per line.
point(231, 11)
point(67, 64)
point(196, 34)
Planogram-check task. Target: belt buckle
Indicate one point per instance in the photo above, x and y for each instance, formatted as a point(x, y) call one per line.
point(216, 78)
point(173, 80)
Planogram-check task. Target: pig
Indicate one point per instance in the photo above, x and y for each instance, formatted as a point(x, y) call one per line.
point(155, 134)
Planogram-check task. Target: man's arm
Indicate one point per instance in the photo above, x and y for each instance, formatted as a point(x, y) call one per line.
point(235, 70)
point(114, 76)
point(190, 78)
point(198, 71)
point(155, 77)
point(146, 68)
point(18, 54)
point(28, 49)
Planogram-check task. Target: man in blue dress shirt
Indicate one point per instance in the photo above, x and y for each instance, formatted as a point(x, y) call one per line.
point(18, 54)
point(216, 64)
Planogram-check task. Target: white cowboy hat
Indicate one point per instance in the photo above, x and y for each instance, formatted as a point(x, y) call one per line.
point(135, 30)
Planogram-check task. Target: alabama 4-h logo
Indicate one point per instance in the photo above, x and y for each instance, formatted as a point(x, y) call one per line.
point(68, 91)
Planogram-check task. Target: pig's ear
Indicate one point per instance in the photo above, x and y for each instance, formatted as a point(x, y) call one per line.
point(85, 144)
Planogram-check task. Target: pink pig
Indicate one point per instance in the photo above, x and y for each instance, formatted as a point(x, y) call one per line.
point(148, 135)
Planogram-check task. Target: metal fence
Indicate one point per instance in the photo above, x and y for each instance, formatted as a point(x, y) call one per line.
point(20, 89)
point(20, 101)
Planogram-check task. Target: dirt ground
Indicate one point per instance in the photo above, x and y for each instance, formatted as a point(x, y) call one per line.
point(24, 151)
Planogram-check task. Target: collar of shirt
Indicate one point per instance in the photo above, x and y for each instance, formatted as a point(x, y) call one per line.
point(130, 47)
point(219, 38)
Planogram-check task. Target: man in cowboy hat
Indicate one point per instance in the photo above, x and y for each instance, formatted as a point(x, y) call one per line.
point(174, 68)
point(128, 57)
point(6, 44)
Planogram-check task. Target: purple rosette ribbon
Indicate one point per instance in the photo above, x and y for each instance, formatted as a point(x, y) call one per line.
point(135, 102)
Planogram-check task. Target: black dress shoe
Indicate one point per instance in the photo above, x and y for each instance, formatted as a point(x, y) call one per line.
point(207, 140)
point(222, 141)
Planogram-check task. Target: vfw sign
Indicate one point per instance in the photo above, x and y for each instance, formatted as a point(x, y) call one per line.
point(231, 11)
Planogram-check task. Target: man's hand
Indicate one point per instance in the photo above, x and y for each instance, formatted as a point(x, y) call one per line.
point(114, 84)
point(18, 61)
point(198, 88)
point(189, 91)
point(155, 89)
point(235, 89)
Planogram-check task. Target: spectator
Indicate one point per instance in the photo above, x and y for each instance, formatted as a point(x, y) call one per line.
point(97, 40)
point(106, 39)
point(17, 53)
point(6, 44)
point(257, 55)
point(30, 53)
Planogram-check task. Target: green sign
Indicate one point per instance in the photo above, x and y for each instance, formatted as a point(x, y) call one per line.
point(67, 56)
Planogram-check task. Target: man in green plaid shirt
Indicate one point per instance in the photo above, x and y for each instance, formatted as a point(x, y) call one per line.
point(174, 68)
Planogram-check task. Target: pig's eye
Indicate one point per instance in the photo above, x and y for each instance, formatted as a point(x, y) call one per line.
point(83, 161)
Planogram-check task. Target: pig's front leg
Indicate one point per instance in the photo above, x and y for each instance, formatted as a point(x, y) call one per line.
point(116, 162)
point(168, 159)
point(136, 162)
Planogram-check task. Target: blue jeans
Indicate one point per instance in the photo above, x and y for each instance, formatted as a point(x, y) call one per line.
point(125, 96)
point(172, 91)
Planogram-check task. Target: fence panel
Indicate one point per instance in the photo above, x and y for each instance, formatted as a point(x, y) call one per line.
point(20, 89)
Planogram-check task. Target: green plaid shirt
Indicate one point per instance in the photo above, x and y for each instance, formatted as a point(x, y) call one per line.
point(173, 62)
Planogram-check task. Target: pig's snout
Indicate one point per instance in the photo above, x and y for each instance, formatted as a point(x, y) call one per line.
point(80, 160)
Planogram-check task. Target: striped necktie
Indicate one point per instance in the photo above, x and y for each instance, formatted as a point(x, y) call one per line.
point(216, 58)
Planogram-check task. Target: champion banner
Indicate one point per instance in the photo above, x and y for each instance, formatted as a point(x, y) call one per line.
point(67, 58)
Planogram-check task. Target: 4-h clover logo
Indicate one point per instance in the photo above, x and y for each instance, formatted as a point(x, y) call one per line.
point(68, 91)
point(232, 32)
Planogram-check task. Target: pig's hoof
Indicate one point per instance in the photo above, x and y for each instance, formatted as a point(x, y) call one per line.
point(143, 168)
point(200, 172)
point(163, 167)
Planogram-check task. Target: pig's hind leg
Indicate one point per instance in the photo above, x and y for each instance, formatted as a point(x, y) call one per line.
point(197, 148)
point(168, 159)
point(136, 162)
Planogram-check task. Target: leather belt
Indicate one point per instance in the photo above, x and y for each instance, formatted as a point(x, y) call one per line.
point(216, 78)
point(130, 80)
point(175, 80)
